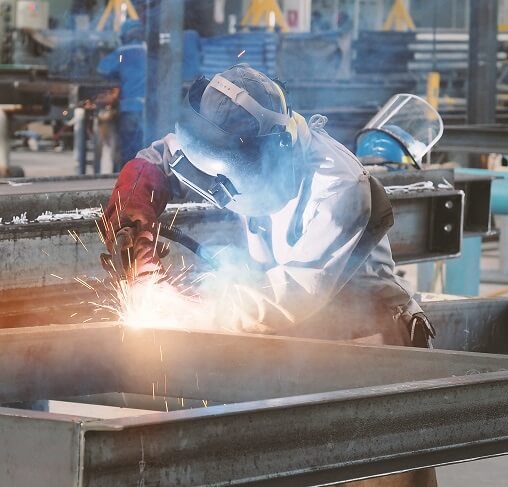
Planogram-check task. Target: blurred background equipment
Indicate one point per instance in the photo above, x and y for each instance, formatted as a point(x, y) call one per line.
point(119, 9)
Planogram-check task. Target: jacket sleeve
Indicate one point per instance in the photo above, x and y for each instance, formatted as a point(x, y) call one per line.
point(317, 269)
point(109, 66)
point(378, 275)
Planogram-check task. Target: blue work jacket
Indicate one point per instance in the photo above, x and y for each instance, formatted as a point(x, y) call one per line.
point(127, 64)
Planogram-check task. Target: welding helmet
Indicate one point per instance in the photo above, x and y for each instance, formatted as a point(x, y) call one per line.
point(236, 138)
point(404, 130)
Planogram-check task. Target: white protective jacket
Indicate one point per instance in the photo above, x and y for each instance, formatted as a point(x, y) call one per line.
point(306, 267)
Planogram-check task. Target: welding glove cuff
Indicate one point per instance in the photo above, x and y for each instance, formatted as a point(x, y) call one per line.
point(421, 331)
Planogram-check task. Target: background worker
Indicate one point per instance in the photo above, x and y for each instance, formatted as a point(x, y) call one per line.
point(128, 65)
point(315, 220)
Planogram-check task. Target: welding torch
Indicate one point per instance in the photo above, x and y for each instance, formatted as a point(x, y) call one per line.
point(118, 263)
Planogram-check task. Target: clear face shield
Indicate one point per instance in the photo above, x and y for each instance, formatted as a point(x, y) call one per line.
point(411, 121)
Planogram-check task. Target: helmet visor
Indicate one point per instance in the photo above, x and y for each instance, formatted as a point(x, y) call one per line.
point(410, 120)
point(249, 164)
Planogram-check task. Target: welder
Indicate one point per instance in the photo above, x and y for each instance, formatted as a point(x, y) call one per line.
point(315, 219)
point(127, 64)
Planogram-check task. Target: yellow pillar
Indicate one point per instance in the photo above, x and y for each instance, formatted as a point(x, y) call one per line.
point(433, 81)
point(259, 10)
point(115, 7)
point(399, 18)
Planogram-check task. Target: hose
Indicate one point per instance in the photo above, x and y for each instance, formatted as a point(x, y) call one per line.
point(177, 235)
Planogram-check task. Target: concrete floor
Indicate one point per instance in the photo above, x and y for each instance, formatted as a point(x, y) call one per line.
point(45, 163)
point(485, 473)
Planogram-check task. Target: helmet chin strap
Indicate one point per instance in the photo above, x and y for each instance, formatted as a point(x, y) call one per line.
point(266, 119)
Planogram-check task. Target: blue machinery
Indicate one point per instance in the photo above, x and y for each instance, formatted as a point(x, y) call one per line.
point(463, 275)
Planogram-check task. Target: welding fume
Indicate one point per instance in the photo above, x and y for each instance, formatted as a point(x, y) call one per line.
point(315, 218)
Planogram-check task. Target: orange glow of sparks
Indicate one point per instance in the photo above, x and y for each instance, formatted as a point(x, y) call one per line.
point(149, 303)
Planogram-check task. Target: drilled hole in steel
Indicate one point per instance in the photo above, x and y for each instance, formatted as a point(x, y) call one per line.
point(449, 205)
point(448, 227)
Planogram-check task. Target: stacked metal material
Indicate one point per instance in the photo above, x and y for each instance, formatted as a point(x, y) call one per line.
point(258, 49)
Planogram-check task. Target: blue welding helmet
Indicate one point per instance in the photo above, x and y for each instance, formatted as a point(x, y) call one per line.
point(403, 131)
point(375, 146)
point(236, 150)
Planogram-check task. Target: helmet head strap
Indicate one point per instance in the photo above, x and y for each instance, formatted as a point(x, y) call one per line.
point(266, 119)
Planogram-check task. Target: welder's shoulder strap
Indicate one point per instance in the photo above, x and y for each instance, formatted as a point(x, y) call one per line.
point(380, 221)
point(381, 215)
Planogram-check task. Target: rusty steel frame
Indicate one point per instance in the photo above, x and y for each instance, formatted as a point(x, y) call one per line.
point(296, 412)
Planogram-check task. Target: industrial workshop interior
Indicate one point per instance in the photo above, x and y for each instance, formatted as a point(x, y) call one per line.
point(253, 243)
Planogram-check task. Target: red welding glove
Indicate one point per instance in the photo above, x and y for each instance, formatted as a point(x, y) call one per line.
point(138, 199)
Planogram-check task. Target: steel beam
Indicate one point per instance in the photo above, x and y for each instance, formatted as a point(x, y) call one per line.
point(198, 365)
point(474, 139)
point(474, 325)
point(33, 251)
point(59, 194)
point(428, 225)
point(305, 441)
point(476, 188)
point(321, 412)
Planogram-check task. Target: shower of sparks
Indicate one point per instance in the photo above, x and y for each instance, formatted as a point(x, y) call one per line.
point(220, 250)
point(83, 283)
point(174, 297)
point(150, 303)
point(174, 218)
point(205, 403)
point(151, 199)
point(118, 215)
point(72, 236)
point(241, 54)
point(73, 315)
point(44, 252)
point(156, 239)
point(58, 277)
point(80, 241)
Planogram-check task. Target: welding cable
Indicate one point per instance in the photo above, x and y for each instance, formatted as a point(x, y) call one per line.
point(176, 235)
